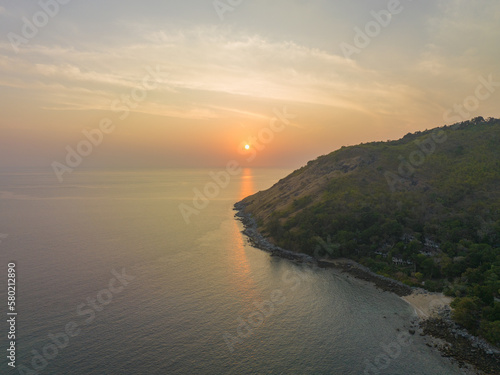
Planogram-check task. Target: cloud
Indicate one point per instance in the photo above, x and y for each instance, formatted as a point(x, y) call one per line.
point(199, 60)
point(463, 34)
point(208, 69)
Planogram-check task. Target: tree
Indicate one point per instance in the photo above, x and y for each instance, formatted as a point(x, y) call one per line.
point(467, 312)
point(491, 331)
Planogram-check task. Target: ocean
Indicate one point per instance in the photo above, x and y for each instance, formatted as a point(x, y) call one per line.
point(119, 272)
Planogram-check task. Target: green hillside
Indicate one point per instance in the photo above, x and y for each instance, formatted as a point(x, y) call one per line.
point(424, 209)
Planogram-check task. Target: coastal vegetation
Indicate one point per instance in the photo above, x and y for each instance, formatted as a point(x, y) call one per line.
point(424, 210)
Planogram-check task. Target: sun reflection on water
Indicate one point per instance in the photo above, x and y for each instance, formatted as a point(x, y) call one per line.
point(242, 270)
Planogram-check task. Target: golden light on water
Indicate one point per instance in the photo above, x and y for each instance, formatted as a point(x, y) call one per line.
point(247, 186)
point(242, 273)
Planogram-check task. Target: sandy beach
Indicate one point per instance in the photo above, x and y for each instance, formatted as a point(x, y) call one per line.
point(427, 304)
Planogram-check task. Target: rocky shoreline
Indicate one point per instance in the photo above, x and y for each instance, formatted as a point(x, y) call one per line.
point(260, 242)
point(345, 265)
point(450, 340)
point(460, 345)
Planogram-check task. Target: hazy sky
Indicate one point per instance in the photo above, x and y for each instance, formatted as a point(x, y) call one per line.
point(197, 83)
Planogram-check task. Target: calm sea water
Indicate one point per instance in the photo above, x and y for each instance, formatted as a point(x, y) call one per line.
point(188, 290)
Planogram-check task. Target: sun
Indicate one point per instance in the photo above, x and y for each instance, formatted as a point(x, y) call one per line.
point(247, 147)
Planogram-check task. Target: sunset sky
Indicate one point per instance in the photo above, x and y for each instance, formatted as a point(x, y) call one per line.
point(221, 78)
